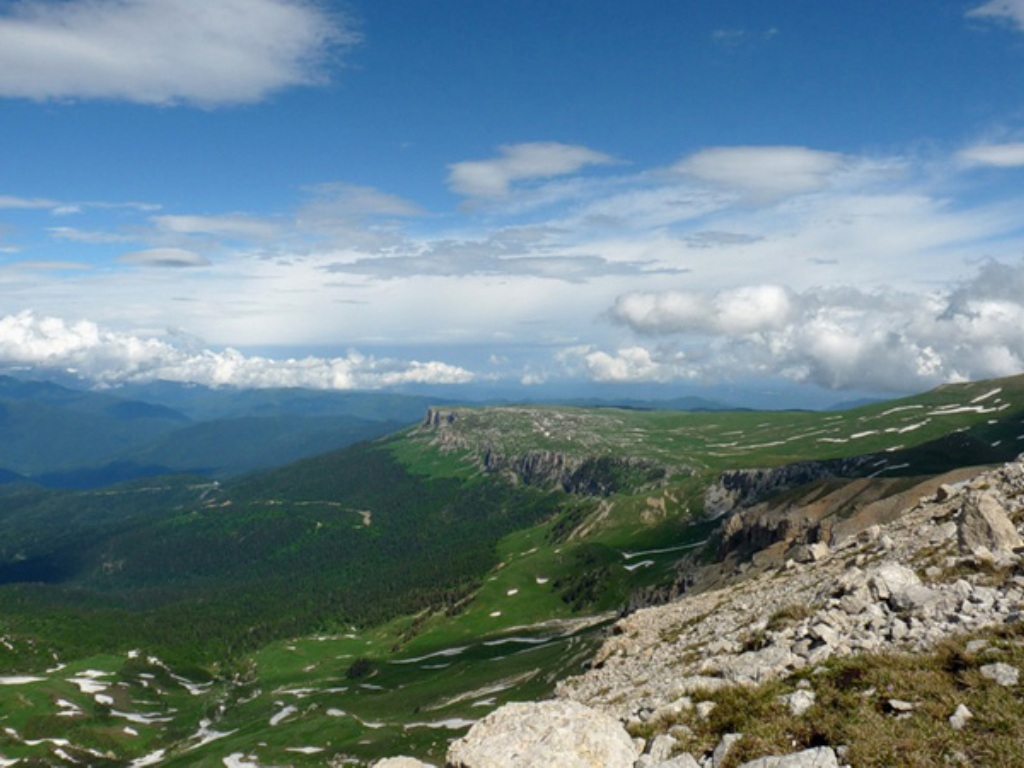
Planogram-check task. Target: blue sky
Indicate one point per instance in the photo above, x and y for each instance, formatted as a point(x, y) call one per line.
point(655, 193)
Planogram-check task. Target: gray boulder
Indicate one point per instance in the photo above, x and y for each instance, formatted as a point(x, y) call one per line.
point(819, 757)
point(684, 760)
point(401, 762)
point(984, 525)
point(891, 579)
point(1002, 674)
point(554, 734)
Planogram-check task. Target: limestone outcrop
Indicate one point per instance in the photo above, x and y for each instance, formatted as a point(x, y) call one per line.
point(554, 734)
point(904, 586)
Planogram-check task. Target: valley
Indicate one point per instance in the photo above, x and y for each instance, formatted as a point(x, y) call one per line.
point(379, 598)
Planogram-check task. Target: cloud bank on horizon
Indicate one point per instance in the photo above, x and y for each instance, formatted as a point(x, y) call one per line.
point(838, 264)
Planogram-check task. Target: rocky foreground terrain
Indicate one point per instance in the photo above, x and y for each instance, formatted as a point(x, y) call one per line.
point(935, 593)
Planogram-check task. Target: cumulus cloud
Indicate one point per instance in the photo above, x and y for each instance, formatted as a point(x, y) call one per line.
point(518, 162)
point(165, 51)
point(165, 257)
point(763, 172)
point(742, 310)
point(840, 337)
point(108, 357)
point(1011, 11)
point(995, 155)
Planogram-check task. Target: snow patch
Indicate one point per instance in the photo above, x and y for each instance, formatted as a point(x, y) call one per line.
point(631, 555)
point(142, 719)
point(445, 653)
point(859, 435)
point(987, 395)
point(452, 724)
point(283, 715)
point(641, 564)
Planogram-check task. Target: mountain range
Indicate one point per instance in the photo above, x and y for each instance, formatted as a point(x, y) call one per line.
point(379, 597)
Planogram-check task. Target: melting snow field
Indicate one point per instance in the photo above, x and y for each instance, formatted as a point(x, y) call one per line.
point(20, 680)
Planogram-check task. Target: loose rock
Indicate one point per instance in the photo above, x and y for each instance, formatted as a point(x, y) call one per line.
point(1002, 674)
point(958, 720)
point(554, 734)
point(819, 757)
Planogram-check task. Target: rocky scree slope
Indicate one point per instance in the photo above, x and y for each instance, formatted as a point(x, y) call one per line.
point(949, 564)
point(945, 565)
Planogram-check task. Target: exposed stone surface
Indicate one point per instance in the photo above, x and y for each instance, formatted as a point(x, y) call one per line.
point(984, 524)
point(864, 595)
point(839, 590)
point(799, 701)
point(958, 720)
point(554, 734)
point(1002, 674)
point(679, 761)
point(722, 750)
point(820, 757)
point(741, 487)
point(401, 762)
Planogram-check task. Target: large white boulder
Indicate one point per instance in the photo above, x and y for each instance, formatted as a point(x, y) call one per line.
point(553, 734)
point(985, 525)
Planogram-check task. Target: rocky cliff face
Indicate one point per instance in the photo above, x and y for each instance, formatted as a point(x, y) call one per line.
point(579, 474)
point(740, 488)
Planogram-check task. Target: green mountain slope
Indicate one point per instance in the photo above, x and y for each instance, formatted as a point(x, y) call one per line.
point(484, 543)
point(61, 437)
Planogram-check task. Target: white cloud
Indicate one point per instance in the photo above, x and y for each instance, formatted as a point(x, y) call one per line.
point(165, 51)
point(337, 200)
point(165, 257)
point(76, 235)
point(628, 364)
point(108, 357)
point(748, 309)
point(517, 162)
point(763, 172)
point(1004, 10)
point(10, 201)
point(834, 337)
point(231, 225)
point(51, 266)
point(995, 155)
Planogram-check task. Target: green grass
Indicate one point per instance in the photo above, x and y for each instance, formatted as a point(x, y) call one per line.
point(405, 549)
point(851, 709)
point(715, 441)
